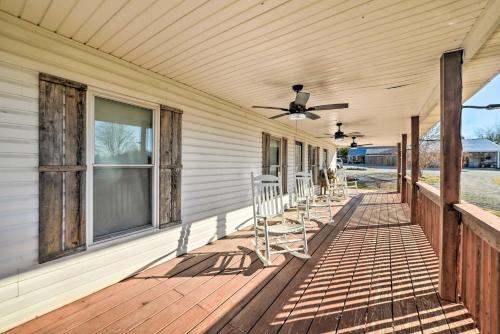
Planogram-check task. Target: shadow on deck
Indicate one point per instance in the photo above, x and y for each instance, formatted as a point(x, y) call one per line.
point(370, 271)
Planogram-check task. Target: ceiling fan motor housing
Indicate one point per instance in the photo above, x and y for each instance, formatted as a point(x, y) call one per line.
point(339, 134)
point(296, 108)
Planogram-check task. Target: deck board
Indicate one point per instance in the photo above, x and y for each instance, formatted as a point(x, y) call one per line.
point(370, 272)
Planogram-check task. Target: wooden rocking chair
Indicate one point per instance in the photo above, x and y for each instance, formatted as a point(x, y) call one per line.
point(307, 199)
point(271, 227)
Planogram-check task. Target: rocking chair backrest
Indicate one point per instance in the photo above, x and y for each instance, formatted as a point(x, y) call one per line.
point(267, 196)
point(342, 176)
point(303, 185)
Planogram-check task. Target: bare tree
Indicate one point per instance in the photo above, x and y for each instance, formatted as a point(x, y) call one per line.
point(491, 133)
point(429, 148)
point(114, 139)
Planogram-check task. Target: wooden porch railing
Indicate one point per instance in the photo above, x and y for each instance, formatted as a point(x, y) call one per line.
point(479, 254)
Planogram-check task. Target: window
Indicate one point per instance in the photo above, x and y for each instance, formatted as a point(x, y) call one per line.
point(123, 171)
point(274, 156)
point(299, 156)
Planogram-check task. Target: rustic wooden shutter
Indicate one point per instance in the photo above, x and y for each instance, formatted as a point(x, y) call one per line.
point(266, 143)
point(284, 164)
point(316, 168)
point(170, 166)
point(62, 167)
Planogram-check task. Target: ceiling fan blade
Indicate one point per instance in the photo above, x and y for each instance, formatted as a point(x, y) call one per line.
point(302, 98)
point(278, 116)
point(330, 106)
point(364, 145)
point(354, 134)
point(312, 116)
point(275, 108)
point(324, 137)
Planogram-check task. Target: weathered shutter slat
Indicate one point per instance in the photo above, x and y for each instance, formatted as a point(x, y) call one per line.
point(266, 142)
point(61, 167)
point(284, 164)
point(50, 216)
point(75, 180)
point(165, 167)
point(176, 161)
point(51, 116)
point(170, 166)
point(316, 168)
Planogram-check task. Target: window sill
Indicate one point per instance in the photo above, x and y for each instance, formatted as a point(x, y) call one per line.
point(128, 236)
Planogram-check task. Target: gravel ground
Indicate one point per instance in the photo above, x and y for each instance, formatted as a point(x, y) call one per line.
point(479, 186)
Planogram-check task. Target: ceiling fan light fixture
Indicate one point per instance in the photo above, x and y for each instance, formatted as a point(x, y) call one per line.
point(296, 116)
point(339, 139)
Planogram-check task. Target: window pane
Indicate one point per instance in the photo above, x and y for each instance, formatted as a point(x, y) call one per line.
point(274, 170)
point(123, 133)
point(274, 152)
point(122, 200)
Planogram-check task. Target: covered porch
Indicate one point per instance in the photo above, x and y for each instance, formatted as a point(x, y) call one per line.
point(370, 271)
point(201, 86)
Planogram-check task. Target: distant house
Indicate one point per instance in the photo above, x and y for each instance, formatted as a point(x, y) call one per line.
point(356, 155)
point(373, 156)
point(477, 153)
point(480, 153)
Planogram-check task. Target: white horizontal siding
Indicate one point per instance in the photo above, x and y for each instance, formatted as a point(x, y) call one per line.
point(18, 173)
point(221, 147)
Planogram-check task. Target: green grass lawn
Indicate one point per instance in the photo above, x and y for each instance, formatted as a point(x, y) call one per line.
point(430, 179)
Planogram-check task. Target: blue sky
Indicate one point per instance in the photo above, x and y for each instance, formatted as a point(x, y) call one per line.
point(474, 119)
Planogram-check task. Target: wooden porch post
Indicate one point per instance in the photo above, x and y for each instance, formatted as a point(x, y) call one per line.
point(451, 166)
point(415, 152)
point(398, 168)
point(403, 167)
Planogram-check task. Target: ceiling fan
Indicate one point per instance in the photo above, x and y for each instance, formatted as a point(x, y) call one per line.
point(297, 109)
point(339, 135)
point(354, 144)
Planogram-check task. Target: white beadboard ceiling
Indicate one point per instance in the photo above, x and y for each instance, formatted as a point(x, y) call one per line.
point(380, 56)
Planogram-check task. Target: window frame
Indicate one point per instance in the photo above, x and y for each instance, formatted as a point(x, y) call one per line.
point(92, 93)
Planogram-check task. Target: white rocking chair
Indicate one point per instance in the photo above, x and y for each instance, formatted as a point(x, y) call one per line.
point(307, 199)
point(271, 227)
point(346, 183)
point(335, 190)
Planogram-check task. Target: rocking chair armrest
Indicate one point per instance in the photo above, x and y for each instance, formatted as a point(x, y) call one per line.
point(305, 198)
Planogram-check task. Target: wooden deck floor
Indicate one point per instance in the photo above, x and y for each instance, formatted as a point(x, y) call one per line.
point(370, 271)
